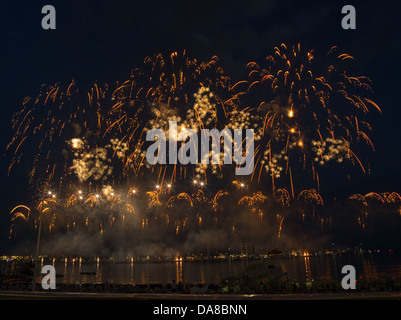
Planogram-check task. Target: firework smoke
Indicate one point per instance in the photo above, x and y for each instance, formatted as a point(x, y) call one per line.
point(306, 110)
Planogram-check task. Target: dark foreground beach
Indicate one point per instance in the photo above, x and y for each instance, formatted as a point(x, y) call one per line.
point(27, 295)
point(365, 289)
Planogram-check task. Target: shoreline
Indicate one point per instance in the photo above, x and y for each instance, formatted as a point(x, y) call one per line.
point(218, 256)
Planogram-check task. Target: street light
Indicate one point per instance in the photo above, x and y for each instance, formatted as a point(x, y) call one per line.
point(37, 243)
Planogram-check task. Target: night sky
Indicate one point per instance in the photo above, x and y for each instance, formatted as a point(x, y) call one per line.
point(104, 40)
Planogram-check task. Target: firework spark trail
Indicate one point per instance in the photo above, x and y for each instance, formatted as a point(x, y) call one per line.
point(303, 107)
point(295, 106)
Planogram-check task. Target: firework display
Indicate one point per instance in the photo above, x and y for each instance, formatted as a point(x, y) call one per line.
point(89, 149)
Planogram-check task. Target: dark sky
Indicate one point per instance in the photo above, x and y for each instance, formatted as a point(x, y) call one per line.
point(103, 40)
